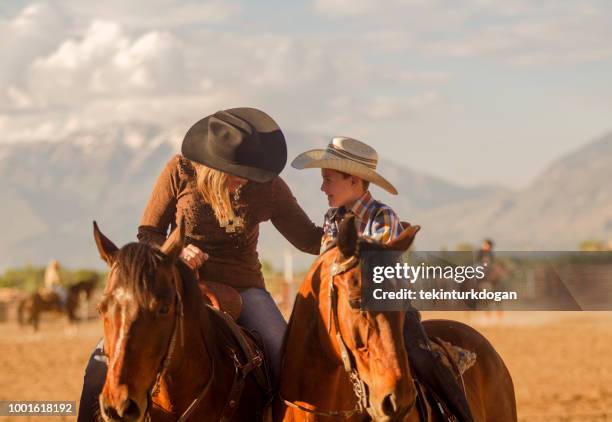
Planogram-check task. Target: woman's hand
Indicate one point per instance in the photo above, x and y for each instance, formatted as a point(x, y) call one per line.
point(193, 257)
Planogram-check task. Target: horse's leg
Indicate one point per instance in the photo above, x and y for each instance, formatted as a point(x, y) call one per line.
point(35, 318)
point(71, 326)
point(69, 310)
point(20, 311)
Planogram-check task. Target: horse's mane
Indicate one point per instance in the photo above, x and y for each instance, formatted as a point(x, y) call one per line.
point(136, 265)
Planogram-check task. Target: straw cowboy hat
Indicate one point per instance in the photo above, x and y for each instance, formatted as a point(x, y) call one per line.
point(244, 142)
point(347, 155)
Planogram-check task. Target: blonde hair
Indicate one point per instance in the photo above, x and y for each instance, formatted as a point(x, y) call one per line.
point(213, 186)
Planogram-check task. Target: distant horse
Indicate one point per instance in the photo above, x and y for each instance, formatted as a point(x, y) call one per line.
point(170, 355)
point(30, 308)
point(342, 362)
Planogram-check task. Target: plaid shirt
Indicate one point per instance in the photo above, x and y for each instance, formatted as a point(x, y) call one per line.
point(373, 219)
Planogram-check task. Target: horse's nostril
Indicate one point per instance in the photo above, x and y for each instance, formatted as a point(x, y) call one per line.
point(110, 412)
point(130, 411)
point(389, 404)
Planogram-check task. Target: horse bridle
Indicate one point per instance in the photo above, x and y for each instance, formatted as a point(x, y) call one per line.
point(359, 386)
point(241, 370)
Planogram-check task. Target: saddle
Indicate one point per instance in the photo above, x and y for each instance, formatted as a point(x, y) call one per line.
point(248, 356)
point(248, 350)
point(224, 304)
point(47, 294)
point(222, 297)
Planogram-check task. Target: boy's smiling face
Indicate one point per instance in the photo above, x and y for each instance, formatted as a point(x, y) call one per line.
point(341, 189)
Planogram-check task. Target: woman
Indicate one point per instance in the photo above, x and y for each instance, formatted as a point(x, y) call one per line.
point(224, 184)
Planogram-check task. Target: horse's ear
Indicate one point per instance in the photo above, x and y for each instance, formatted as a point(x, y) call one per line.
point(174, 244)
point(106, 247)
point(347, 236)
point(405, 239)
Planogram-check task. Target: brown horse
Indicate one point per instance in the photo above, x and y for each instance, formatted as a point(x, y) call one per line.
point(342, 362)
point(30, 308)
point(170, 356)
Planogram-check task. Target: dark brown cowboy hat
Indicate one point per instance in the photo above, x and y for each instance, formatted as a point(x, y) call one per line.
point(244, 142)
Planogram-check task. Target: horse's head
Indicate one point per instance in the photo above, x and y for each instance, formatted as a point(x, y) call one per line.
point(141, 310)
point(374, 339)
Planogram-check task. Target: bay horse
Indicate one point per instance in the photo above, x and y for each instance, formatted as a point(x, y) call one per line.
point(30, 307)
point(342, 362)
point(170, 355)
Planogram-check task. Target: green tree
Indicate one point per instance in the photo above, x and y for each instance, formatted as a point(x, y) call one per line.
point(29, 277)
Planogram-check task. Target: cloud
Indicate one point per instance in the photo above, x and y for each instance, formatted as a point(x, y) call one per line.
point(34, 30)
point(366, 69)
point(336, 8)
point(547, 41)
point(105, 62)
point(378, 66)
point(520, 32)
point(156, 13)
point(381, 108)
point(105, 71)
point(19, 99)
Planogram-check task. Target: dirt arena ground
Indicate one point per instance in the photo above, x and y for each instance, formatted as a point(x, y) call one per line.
point(561, 363)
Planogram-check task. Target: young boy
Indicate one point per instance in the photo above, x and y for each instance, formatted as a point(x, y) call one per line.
point(348, 166)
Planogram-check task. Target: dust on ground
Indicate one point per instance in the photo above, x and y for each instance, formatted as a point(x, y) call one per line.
point(561, 362)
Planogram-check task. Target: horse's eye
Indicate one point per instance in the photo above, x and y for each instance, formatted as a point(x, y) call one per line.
point(164, 309)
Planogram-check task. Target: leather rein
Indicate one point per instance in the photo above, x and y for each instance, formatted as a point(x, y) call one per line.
point(359, 386)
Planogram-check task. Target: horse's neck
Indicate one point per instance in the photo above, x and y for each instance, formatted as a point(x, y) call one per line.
point(191, 366)
point(311, 344)
point(325, 333)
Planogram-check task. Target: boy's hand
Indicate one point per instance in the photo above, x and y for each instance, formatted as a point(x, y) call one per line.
point(193, 256)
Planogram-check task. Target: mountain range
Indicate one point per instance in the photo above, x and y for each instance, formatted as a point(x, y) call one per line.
point(52, 191)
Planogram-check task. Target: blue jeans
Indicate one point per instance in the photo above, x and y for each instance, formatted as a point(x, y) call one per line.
point(259, 314)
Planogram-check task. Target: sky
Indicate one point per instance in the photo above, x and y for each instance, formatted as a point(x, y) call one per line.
point(473, 91)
